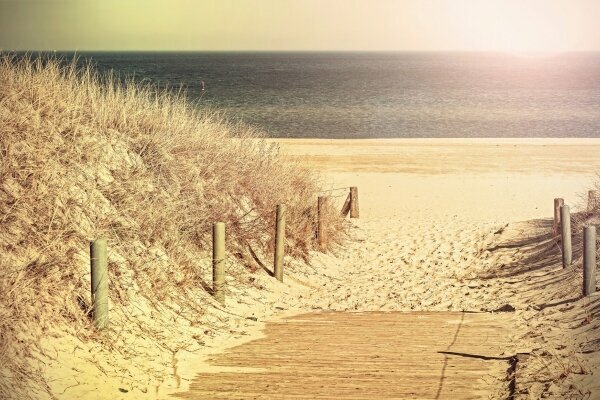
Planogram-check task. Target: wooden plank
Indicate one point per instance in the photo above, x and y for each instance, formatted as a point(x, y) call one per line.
point(218, 261)
point(322, 203)
point(589, 260)
point(346, 206)
point(565, 224)
point(279, 242)
point(378, 355)
point(354, 202)
point(558, 202)
point(99, 278)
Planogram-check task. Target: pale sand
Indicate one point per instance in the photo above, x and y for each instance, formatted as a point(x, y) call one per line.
point(431, 211)
point(484, 179)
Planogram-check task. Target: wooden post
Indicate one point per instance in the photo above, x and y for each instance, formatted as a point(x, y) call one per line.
point(346, 206)
point(557, 204)
point(279, 242)
point(592, 199)
point(353, 202)
point(99, 272)
point(589, 260)
point(321, 229)
point(565, 223)
point(219, 262)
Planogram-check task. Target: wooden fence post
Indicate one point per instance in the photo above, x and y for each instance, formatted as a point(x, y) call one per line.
point(218, 262)
point(279, 242)
point(99, 272)
point(557, 204)
point(592, 199)
point(347, 204)
point(589, 260)
point(321, 229)
point(353, 202)
point(565, 223)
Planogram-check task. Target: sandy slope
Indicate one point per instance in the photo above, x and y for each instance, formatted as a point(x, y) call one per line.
point(435, 218)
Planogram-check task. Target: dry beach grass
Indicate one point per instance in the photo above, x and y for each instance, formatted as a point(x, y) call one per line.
point(85, 156)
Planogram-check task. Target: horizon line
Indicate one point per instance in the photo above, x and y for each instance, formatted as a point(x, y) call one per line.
point(294, 51)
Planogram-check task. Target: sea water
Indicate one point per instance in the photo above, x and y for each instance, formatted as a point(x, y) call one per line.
point(382, 95)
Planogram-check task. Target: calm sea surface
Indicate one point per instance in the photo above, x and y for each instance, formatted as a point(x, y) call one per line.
point(384, 95)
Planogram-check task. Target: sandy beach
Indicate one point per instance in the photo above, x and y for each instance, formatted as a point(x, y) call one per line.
point(437, 219)
point(302, 200)
point(480, 178)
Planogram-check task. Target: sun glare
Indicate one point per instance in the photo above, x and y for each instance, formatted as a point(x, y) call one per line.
point(523, 28)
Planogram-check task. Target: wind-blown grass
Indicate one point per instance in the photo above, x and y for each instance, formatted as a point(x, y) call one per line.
point(84, 156)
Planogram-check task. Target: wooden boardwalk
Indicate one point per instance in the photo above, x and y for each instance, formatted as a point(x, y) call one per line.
point(373, 355)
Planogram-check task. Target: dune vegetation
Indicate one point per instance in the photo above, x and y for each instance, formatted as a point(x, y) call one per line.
point(84, 156)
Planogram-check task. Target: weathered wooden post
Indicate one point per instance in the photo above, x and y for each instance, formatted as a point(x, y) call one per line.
point(589, 260)
point(565, 223)
point(219, 262)
point(99, 272)
point(321, 229)
point(592, 199)
point(557, 204)
point(353, 202)
point(279, 242)
point(347, 204)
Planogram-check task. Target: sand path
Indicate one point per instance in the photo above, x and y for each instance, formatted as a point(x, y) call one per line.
point(413, 265)
point(410, 264)
point(434, 217)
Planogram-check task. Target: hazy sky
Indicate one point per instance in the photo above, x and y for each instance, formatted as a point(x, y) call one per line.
point(496, 25)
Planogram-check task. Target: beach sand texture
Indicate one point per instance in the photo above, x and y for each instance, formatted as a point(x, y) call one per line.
point(457, 226)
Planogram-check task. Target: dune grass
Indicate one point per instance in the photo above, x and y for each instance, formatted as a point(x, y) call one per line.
point(84, 156)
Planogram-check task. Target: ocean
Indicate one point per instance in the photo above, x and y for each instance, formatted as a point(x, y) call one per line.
point(383, 95)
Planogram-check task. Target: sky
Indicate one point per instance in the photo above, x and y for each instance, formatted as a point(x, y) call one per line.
point(301, 25)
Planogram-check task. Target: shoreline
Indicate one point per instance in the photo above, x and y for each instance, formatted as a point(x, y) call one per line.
point(443, 156)
point(450, 140)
